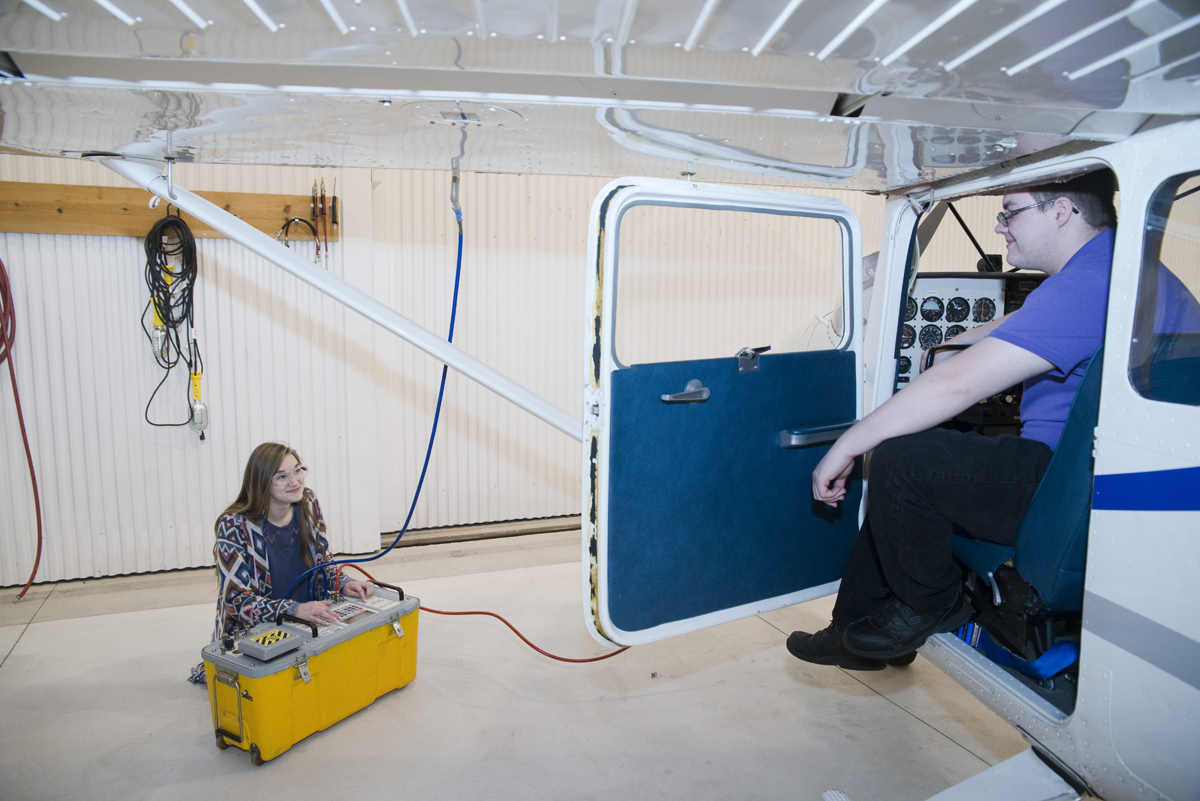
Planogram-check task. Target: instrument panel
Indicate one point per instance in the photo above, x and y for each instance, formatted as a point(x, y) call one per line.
point(944, 305)
point(941, 307)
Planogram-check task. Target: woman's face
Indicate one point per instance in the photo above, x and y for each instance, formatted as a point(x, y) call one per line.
point(287, 485)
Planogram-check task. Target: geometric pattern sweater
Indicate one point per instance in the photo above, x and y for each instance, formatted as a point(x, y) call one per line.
point(244, 575)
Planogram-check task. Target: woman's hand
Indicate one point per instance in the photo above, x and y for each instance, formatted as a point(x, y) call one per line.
point(317, 612)
point(358, 589)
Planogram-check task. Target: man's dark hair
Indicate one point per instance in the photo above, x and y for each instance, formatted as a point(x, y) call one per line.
point(1091, 194)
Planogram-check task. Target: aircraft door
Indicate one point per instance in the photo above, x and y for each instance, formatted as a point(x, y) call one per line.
point(699, 440)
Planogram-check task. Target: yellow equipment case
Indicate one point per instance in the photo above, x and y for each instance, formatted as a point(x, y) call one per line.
point(280, 682)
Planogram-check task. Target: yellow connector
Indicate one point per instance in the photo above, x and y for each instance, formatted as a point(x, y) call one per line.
point(196, 386)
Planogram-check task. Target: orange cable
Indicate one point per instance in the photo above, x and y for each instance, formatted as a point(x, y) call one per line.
point(524, 639)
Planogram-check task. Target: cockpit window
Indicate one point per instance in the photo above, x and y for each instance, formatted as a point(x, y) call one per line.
point(1164, 361)
point(701, 283)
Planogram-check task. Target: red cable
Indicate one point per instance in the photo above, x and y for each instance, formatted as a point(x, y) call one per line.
point(8, 330)
point(505, 622)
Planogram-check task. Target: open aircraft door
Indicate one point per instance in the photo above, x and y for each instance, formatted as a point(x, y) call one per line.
point(699, 444)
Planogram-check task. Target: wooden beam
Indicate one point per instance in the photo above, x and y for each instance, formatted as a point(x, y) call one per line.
point(34, 208)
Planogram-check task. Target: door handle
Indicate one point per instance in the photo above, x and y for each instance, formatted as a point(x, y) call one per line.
point(815, 435)
point(694, 392)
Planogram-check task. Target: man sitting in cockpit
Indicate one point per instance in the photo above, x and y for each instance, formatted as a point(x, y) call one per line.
point(901, 584)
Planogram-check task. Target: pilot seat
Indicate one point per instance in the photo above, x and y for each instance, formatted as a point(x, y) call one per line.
point(1028, 597)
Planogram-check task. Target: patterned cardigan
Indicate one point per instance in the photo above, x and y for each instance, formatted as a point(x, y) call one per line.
point(244, 575)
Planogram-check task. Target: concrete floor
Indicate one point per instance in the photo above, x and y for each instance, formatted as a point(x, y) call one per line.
point(95, 704)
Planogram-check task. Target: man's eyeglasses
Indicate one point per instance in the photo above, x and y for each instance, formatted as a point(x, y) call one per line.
point(285, 476)
point(1005, 217)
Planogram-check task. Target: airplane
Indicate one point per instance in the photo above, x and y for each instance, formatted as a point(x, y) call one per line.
point(704, 437)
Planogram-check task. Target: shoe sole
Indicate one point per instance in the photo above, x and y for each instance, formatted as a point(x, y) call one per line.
point(952, 623)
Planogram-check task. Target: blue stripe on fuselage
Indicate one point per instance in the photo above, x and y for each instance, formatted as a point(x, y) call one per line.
point(1155, 491)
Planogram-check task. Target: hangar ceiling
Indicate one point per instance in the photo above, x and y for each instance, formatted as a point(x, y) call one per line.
point(868, 94)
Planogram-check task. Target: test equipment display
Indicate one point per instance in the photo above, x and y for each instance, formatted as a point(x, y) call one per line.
point(280, 682)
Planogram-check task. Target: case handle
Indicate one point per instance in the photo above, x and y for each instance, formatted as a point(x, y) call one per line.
point(292, 618)
point(399, 591)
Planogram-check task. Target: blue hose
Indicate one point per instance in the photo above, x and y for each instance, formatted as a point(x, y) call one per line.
point(311, 572)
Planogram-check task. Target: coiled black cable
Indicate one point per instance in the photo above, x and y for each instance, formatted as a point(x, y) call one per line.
point(171, 290)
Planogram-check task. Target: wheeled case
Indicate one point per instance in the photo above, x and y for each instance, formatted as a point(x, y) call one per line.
point(282, 681)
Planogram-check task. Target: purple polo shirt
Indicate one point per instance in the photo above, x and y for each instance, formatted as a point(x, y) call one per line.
point(1063, 322)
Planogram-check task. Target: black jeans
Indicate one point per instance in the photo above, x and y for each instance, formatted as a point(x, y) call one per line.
point(921, 487)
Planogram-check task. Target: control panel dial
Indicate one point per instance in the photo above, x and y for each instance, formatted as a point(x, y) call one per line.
point(957, 310)
point(984, 310)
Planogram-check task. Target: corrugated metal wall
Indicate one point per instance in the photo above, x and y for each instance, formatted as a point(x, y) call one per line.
point(520, 311)
point(121, 496)
point(283, 362)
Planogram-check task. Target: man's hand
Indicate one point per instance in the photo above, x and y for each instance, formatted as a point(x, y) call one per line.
point(947, 388)
point(829, 479)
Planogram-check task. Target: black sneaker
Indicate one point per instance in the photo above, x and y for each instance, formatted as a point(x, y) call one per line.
point(825, 648)
point(903, 659)
point(897, 628)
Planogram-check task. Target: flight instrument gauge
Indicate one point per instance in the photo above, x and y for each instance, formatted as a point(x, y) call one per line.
point(984, 311)
point(931, 309)
point(910, 310)
point(954, 330)
point(905, 365)
point(908, 336)
point(957, 310)
point(931, 336)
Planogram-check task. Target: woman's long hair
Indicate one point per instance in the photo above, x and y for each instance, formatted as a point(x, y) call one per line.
point(254, 500)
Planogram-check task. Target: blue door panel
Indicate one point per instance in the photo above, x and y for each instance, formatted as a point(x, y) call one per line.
point(706, 512)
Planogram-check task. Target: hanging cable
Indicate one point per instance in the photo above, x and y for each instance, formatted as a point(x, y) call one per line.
point(283, 233)
point(524, 639)
point(312, 573)
point(8, 331)
point(171, 304)
point(322, 570)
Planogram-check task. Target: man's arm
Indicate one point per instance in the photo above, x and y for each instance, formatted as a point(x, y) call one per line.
point(969, 337)
point(936, 395)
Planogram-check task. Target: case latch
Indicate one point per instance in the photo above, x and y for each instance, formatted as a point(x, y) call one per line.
point(301, 665)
